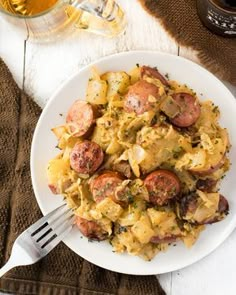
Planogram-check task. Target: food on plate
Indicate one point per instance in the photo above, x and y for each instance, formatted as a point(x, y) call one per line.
point(203, 208)
point(86, 157)
point(141, 97)
point(91, 229)
point(141, 160)
point(105, 185)
point(153, 73)
point(80, 118)
point(189, 109)
point(162, 185)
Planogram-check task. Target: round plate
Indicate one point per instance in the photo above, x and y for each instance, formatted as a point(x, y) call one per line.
point(207, 86)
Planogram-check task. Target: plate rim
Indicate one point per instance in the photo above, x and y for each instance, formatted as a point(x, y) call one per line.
point(229, 228)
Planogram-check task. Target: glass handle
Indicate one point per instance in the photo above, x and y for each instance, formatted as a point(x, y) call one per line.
point(105, 9)
point(108, 18)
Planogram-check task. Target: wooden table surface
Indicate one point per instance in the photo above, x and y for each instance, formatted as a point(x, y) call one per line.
point(41, 68)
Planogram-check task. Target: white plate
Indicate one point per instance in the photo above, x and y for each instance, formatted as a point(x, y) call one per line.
point(43, 149)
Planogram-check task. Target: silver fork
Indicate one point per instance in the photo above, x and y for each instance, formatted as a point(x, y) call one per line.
point(40, 238)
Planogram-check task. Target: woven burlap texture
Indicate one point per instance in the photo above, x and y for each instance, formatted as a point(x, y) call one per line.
point(180, 19)
point(62, 272)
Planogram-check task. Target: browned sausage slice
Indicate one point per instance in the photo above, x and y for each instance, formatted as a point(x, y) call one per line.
point(210, 170)
point(223, 206)
point(90, 229)
point(124, 168)
point(138, 97)
point(189, 204)
point(206, 185)
point(153, 73)
point(55, 189)
point(162, 185)
point(80, 118)
point(189, 110)
point(86, 157)
point(105, 185)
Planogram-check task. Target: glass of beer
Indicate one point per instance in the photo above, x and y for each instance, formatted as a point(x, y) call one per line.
point(47, 19)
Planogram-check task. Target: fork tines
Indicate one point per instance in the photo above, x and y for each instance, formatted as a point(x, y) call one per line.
point(49, 230)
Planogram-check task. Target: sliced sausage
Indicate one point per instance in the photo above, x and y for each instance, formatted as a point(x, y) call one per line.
point(53, 189)
point(189, 110)
point(210, 169)
point(86, 157)
point(123, 196)
point(223, 205)
point(138, 97)
point(223, 209)
point(91, 229)
point(59, 189)
point(124, 168)
point(80, 118)
point(153, 73)
point(162, 185)
point(189, 204)
point(105, 186)
point(169, 238)
point(206, 185)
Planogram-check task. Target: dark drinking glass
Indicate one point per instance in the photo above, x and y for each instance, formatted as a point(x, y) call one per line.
point(219, 16)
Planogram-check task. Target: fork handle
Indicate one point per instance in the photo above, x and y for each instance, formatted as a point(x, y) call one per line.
point(6, 268)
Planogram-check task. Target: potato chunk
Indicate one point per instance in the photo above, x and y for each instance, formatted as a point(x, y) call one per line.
point(118, 82)
point(110, 209)
point(142, 230)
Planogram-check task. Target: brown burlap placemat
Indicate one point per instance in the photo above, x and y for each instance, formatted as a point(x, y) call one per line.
point(62, 272)
point(180, 19)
